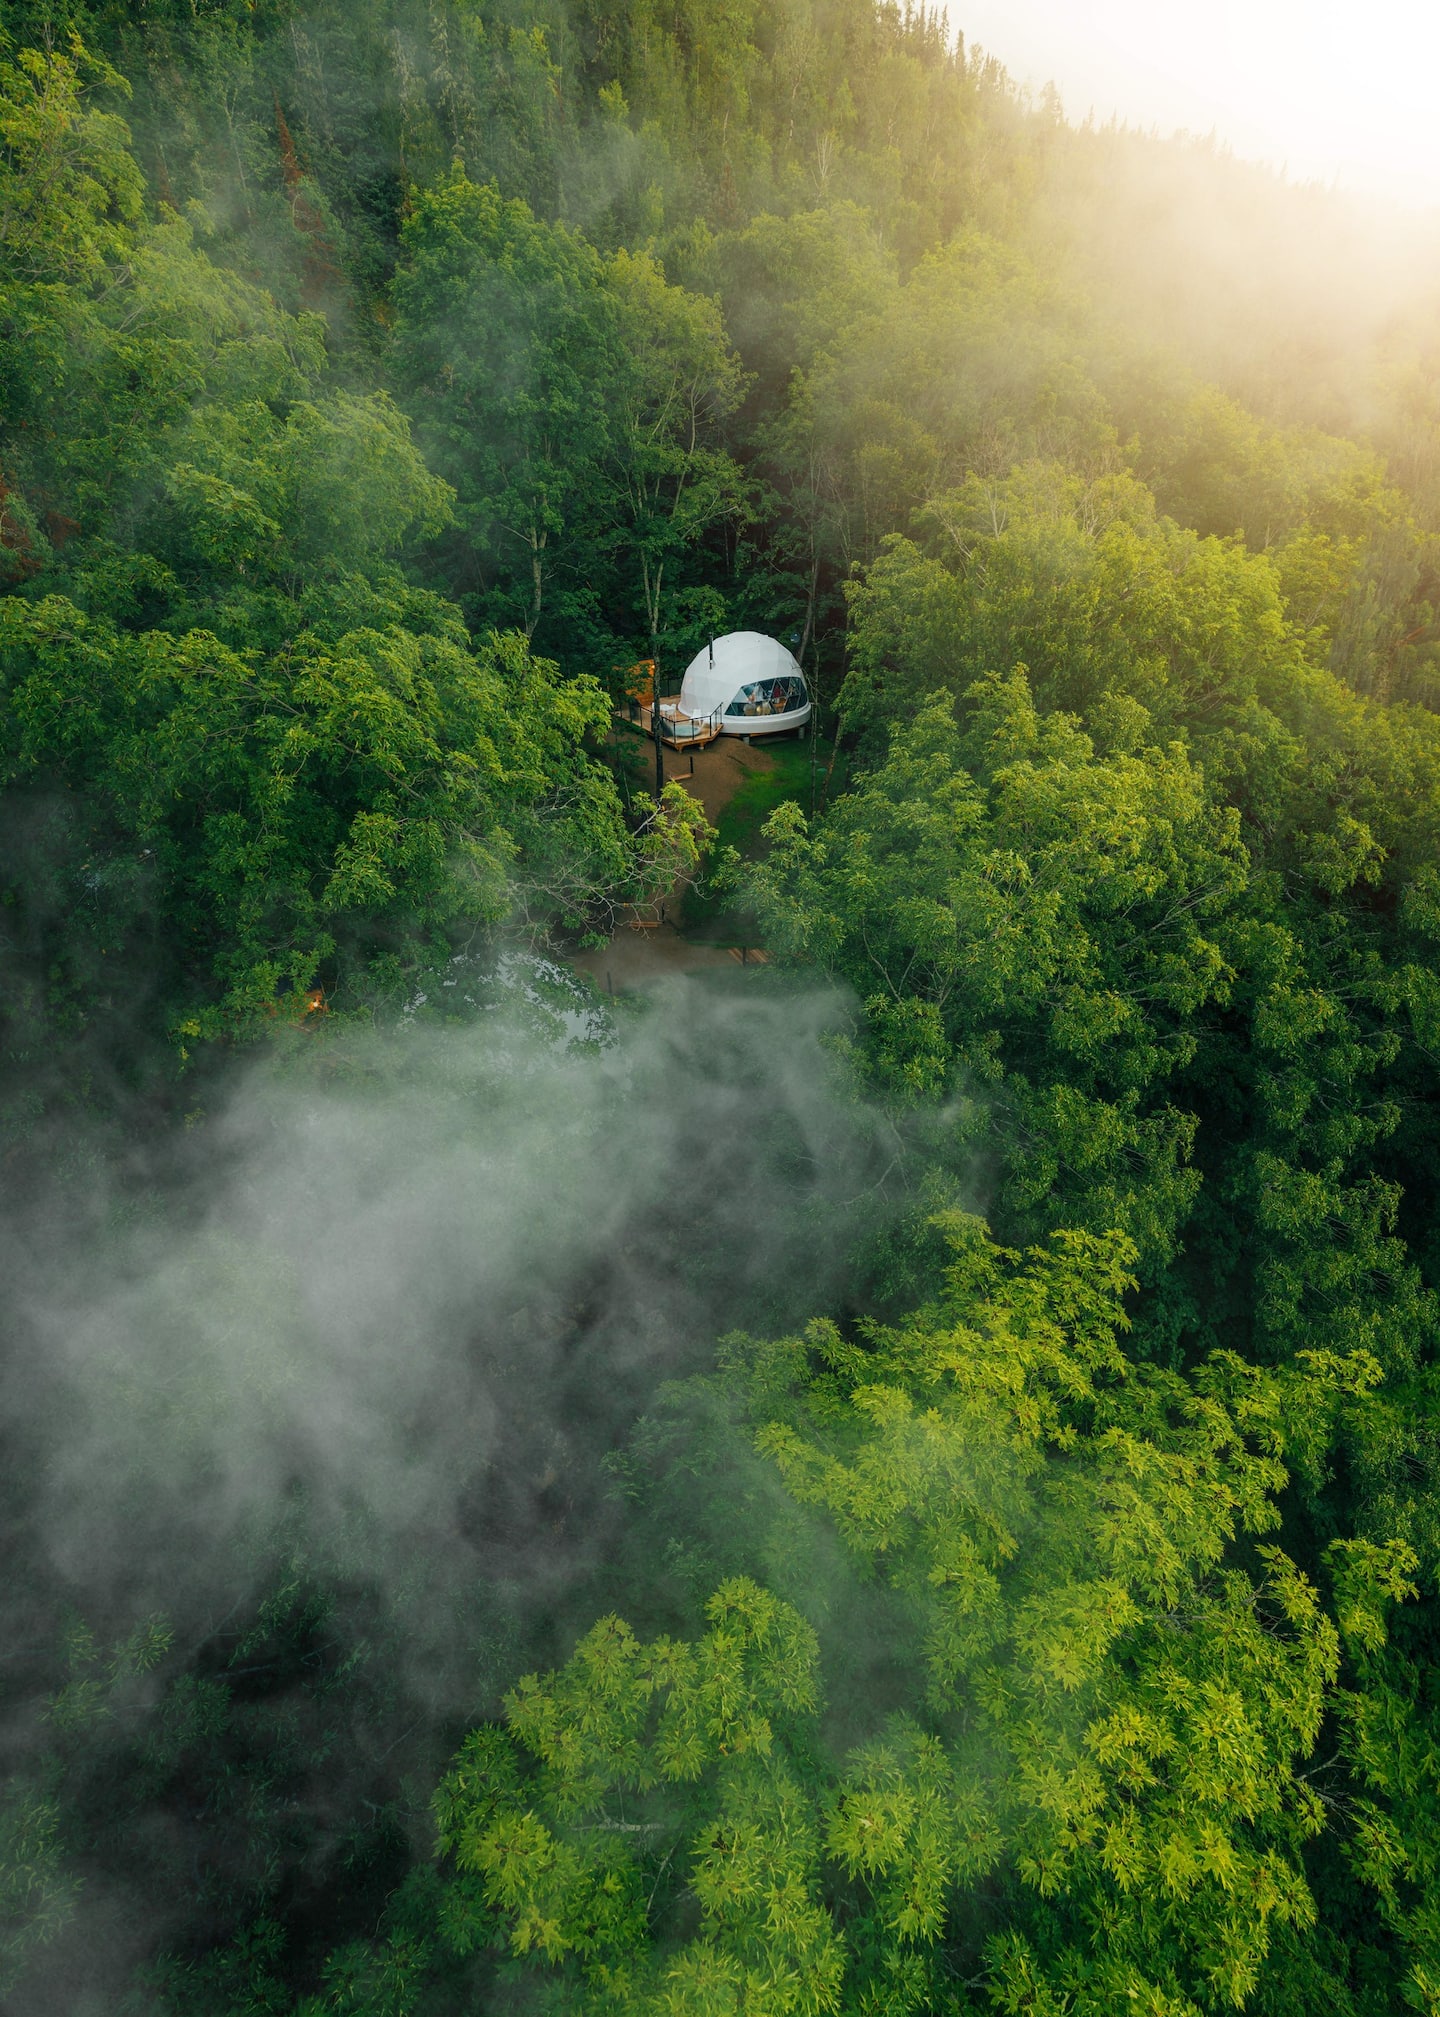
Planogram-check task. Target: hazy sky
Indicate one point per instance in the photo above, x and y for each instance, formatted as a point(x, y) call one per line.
point(1331, 91)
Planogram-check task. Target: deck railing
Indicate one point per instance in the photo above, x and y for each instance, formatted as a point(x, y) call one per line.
point(677, 730)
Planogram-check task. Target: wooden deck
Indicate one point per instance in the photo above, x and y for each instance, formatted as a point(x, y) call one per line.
point(686, 732)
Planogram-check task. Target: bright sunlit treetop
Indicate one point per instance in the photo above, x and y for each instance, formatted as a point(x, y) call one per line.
point(1317, 88)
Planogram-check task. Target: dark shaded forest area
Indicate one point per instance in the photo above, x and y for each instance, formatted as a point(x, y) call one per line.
point(905, 1481)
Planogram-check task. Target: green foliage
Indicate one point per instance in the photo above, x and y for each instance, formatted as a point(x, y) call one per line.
point(1152, 942)
point(377, 381)
point(789, 775)
point(336, 487)
point(574, 400)
point(244, 758)
point(1101, 1724)
point(641, 1756)
point(508, 347)
point(69, 187)
point(36, 1889)
point(357, 802)
point(1039, 917)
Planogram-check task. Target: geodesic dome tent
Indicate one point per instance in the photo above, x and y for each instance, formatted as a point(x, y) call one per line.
point(747, 684)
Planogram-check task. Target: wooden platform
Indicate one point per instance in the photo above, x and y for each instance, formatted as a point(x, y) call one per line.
point(705, 731)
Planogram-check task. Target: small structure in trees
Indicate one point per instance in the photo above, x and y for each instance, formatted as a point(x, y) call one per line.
point(744, 684)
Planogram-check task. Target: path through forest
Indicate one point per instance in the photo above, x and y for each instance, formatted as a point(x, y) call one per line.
point(636, 954)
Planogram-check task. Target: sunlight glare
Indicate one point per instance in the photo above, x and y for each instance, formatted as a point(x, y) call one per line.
point(1311, 86)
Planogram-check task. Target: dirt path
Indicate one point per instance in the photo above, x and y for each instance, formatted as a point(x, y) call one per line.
point(633, 954)
point(720, 770)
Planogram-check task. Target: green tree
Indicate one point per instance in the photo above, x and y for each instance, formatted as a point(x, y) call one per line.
point(364, 803)
point(508, 349)
point(1016, 910)
point(668, 477)
point(70, 192)
point(1086, 1785)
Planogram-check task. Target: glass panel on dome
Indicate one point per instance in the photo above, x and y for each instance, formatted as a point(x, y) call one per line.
point(770, 696)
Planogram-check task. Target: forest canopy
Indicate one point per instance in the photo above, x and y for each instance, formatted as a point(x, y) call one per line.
point(909, 1483)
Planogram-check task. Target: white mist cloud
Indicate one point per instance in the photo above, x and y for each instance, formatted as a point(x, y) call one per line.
point(422, 1281)
point(364, 1337)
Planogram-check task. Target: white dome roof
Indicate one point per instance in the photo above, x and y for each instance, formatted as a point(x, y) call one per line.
point(716, 674)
